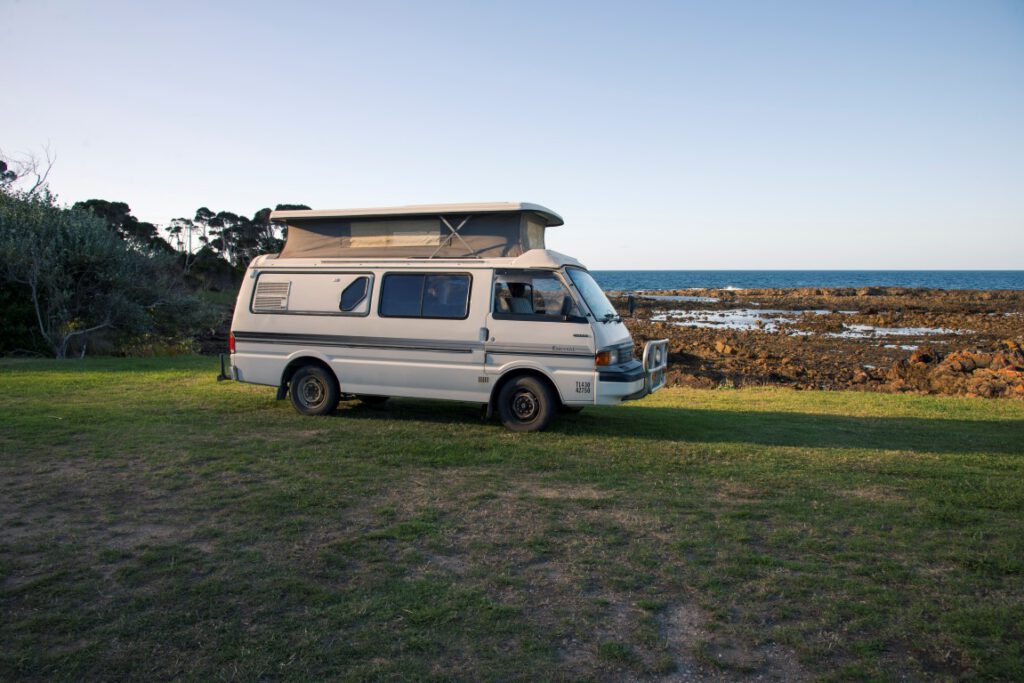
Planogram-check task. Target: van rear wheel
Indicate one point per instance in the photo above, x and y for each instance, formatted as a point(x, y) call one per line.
point(314, 391)
point(526, 404)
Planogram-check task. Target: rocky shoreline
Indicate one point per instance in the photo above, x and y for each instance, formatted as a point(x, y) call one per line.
point(893, 339)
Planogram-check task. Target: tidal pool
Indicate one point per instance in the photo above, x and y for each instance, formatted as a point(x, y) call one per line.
point(764, 319)
point(773, 319)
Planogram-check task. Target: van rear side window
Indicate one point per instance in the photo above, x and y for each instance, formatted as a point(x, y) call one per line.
point(354, 294)
point(423, 295)
point(339, 293)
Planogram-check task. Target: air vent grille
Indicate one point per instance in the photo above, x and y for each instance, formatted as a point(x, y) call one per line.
point(271, 296)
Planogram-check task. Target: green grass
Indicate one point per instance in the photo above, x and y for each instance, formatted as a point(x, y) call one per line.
point(157, 524)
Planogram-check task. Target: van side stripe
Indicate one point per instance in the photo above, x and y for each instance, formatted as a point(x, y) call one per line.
point(350, 341)
point(531, 350)
point(358, 342)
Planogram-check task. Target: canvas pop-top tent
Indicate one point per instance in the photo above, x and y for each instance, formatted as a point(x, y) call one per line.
point(425, 231)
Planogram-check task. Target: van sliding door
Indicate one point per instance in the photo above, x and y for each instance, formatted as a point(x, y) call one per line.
point(426, 340)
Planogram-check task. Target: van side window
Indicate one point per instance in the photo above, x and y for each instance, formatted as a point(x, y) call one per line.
point(282, 292)
point(354, 294)
point(424, 295)
point(446, 296)
point(535, 295)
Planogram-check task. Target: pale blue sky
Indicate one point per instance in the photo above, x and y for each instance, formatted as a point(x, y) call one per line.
point(670, 135)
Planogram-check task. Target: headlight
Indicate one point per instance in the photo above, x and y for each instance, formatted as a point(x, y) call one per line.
point(608, 357)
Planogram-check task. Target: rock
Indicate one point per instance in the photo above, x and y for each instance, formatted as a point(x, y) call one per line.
point(987, 389)
point(967, 361)
point(961, 363)
point(725, 348)
point(923, 356)
point(1010, 355)
point(808, 353)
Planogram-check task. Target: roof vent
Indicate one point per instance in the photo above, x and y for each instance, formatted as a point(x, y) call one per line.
point(271, 296)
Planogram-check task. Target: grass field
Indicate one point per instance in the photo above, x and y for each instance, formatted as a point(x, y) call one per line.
point(157, 524)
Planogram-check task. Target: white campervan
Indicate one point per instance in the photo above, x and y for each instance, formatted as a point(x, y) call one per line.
point(458, 301)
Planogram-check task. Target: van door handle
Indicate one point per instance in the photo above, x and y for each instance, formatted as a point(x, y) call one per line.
point(484, 334)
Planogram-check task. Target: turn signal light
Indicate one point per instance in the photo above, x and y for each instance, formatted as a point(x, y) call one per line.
point(231, 342)
point(607, 357)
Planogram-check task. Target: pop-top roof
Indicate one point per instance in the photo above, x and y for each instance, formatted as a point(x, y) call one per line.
point(552, 219)
point(499, 229)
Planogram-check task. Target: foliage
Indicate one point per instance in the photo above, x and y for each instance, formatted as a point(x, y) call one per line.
point(19, 334)
point(82, 280)
point(118, 217)
point(97, 276)
point(7, 175)
point(234, 237)
point(226, 235)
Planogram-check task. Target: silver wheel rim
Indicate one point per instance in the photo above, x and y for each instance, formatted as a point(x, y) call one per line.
point(525, 405)
point(311, 392)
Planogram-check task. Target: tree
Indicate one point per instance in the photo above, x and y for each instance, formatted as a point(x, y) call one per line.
point(28, 170)
point(82, 279)
point(7, 176)
point(118, 217)
point(202, 219)
point(184, 233)
point(232, 236)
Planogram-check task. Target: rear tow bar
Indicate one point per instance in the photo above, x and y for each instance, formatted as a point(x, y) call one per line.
point(223, 373)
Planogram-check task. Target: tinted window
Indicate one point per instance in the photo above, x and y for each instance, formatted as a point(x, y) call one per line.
point(531, 294)
point(446, 296)
point(401, 296)
point(354, 294)
point(425, 296)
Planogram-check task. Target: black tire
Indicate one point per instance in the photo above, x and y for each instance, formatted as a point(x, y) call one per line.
point(313, 390)
point(526, 404)
point(571, 410)
point(373, 401)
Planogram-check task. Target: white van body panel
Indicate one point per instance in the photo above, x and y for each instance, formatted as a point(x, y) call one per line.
point(288, 310)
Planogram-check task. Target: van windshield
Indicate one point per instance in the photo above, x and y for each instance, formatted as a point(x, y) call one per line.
point(592, 294)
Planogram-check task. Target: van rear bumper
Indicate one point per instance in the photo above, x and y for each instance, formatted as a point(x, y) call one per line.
point(227, 369)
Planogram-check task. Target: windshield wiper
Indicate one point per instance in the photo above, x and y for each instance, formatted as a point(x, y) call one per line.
point(611, 318)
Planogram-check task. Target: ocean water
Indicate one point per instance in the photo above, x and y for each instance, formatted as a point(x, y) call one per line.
point(625, 280)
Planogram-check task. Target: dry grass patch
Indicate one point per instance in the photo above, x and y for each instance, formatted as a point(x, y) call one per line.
point(876, 493)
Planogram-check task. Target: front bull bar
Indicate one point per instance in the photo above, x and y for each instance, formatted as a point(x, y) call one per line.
point(655, 362)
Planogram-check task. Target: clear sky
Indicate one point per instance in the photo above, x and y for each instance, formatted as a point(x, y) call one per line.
point(684, 135)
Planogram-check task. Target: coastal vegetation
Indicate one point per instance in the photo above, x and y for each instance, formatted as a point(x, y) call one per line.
point(93, 278)
point(158, 524)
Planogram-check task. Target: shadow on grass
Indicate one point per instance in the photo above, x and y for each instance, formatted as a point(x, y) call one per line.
point(806, 430)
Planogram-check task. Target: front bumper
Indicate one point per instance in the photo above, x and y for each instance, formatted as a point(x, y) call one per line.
point(655, 365)
point(636, 379)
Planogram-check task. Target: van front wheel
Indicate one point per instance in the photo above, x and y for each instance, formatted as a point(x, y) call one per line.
point(313, 391)
point(525, 404)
